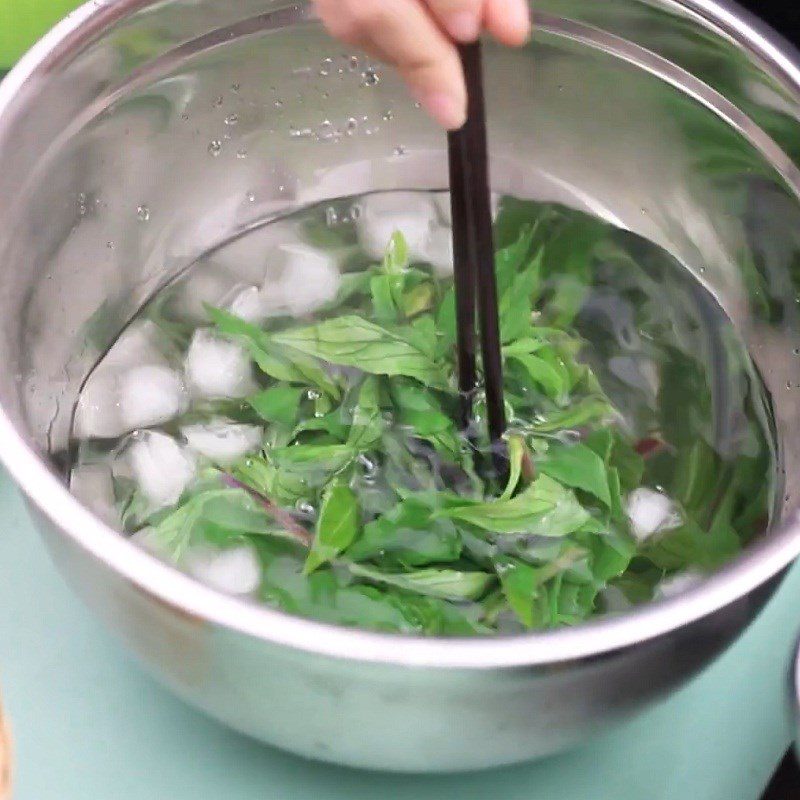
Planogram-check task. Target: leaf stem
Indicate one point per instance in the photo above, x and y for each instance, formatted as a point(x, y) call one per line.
point(280, 515)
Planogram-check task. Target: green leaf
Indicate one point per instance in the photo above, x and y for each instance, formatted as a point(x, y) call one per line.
point(445, 584)
point(545, 508)
point(315, 464)
point(510, 260)
point(396, 258)
point(516, 453)
point(279, 404)
point(368, 422)
point(522, 586)
point(281, 363)
point(337, 526)
point(418, 408)
point(577, 466)
point(355, 342)
point(628, 463)
point(213, 514)
point(553, 382)
point(590, 409)
point(409, 535)
point(418, 299)
point(516, 303)
point(384, 306)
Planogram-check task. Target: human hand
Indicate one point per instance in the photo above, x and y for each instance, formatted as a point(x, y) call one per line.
point(419, 38)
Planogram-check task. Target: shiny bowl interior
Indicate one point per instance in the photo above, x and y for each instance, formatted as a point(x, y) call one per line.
point(677, 120)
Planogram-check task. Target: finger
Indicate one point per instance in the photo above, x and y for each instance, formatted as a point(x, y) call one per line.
point(462, 19)
point(509, 21)
point(406, 34)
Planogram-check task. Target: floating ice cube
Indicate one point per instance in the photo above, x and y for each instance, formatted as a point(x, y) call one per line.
point(140, 343)
point(217, 368)
point(439, 251)
point(678, 584)
point(207, 284)
point(252, 305)
point(651, 512)
point(310, 278)
point(147, 539)
point(98, 414)
point(150, 395)
point(445, 209)
point(223, 442)
point(235, 570)
point(161, 467)
point(93, 485)
point(411, 213)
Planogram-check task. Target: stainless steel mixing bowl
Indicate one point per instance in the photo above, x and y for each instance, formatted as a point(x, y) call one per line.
point(139, 134)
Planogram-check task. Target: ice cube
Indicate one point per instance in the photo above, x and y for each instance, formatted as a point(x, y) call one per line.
point(252, 305)
point(217, 368)
point(208, 284)
point(310, 278)
point(678, 584)
point(445, 210)
point(235, 570)
point(140, 343)
point(651, 512)
point(410, 213)
point(438, 251)
point(161, 467)
point(98, 414)
point(150, 395)
point(222, 441)
point(93, 485)
point(147, 539)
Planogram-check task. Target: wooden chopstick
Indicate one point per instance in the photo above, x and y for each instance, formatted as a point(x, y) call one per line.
point(473, 253)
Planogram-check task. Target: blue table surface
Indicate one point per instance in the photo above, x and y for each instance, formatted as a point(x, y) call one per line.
point(90, 725)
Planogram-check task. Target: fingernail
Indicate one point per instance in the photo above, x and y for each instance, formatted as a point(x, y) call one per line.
point(445, 109)
point(463, 26)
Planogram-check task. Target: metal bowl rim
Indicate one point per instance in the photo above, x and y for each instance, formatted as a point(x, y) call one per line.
point(167, 585)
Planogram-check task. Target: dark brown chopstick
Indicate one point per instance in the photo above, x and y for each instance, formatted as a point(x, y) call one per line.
point(473, 252)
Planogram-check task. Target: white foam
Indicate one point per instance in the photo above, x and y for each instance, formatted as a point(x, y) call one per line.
point(161, 467)
point(651, 512)
point(234, 571)
point(223, 442)
point(217, 368)
point(150, 395)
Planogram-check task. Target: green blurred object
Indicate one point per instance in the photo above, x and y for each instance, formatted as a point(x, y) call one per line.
point(22, 22)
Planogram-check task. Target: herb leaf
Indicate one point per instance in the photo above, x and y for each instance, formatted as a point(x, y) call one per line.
point(337, 527)
point(355, 342)
point(545, 508)
point(579, 467)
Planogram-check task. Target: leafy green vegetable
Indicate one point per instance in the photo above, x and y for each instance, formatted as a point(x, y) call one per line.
point(368, 506)
point(337, 526)
point(280, 404)
point(446, 584)
point(545, 508)
point(355, 342)
point(577, 466)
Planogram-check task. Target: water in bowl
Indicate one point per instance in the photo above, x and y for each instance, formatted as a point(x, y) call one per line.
point(278, 422)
